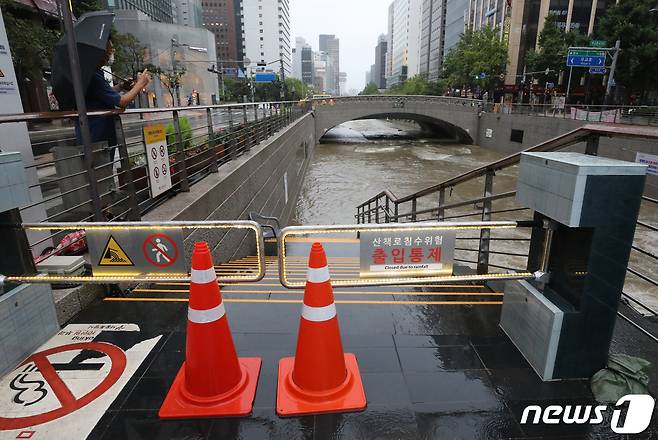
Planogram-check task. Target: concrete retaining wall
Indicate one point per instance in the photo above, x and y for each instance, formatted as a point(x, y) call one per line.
point(267, 179)
point(538, 129)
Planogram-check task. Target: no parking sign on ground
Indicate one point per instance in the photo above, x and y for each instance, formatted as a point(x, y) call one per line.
point(63, 389)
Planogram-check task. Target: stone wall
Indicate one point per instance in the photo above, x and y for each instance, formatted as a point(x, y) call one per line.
point(537, 129)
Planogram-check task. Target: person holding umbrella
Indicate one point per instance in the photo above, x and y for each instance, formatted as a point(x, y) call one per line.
point(101, 96)
point(95, 50)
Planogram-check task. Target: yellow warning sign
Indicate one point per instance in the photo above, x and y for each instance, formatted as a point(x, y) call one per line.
point(154, 133)
point(114, 255)
point(2, 74)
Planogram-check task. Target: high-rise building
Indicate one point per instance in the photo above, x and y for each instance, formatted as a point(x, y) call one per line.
point(297, 57)
point(188, 13)
point(266, 32)
point(379, 68)
point(157, 10)
point(307, 65)
point(455, 23)
point(432, 41)
point(331, 46)
point(342, 83)
point(219, 18)
point(413, 42)
point(523, 22)
point(398, 42)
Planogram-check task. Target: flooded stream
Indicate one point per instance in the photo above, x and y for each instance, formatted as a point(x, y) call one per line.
point(359, 159)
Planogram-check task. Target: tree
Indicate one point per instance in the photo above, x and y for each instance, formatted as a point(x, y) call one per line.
point(478, 60)
point(552, 49)
point(631, 22)
point(295, 89)
point(417, 85)
point(171, 79)
point(30, 39)
point(128, 55)
point(370, 89)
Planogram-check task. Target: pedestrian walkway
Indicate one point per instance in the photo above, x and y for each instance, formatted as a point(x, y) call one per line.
point(433, 361)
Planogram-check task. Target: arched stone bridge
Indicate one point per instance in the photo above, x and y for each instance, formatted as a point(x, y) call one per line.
point(453, 118)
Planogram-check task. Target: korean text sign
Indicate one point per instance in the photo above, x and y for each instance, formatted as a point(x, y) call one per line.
point(423, 252)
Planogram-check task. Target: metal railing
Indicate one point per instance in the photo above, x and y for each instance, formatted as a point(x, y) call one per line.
point(432, 204)
point(199, 140)
point(633, 115)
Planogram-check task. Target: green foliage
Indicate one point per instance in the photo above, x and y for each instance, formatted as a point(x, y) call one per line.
point(631, 22)
point(370, 89)
point(417, 85)
point(235, 89)
point(295, 89)
point(552, 49)
point(82, 6)
point(30, 40)
point(171, 79)
point(477, 52)
point(186, 135)
point(128, 55)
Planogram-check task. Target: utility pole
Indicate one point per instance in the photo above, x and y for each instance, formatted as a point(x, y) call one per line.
point(611, 78)
point(283, 81)
point(173, 73)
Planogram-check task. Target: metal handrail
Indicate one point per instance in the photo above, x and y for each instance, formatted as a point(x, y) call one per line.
point(589, 133)
point(50, 116)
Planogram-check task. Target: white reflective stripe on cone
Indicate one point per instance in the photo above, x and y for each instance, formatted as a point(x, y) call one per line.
point(206, 316)
point(317, 274)
point(203, 276)
point(318, 314)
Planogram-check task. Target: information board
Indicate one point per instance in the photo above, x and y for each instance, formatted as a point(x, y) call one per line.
point(157, 157)
point(406, 253)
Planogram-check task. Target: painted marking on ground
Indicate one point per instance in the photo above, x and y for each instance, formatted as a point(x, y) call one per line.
point(63, 389)
point(299, 301)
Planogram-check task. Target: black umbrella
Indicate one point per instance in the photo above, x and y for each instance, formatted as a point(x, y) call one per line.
point(92, 30)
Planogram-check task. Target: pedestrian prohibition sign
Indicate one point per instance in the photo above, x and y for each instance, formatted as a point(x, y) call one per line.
point(67, 400)
point(160, 250)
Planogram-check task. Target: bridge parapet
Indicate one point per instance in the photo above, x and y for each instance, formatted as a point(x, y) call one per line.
point(455, 118)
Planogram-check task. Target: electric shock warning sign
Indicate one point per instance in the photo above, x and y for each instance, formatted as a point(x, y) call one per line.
point(65, 387)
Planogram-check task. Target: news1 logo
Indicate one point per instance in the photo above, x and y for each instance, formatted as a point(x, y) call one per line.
point(638, 414)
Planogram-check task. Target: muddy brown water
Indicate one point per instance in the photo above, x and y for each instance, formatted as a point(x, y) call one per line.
point(348, 169)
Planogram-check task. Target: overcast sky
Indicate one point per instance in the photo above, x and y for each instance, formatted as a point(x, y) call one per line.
point(357, 23)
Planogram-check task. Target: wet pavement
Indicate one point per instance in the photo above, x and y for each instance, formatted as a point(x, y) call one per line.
point(430, 371)
point(434, 362)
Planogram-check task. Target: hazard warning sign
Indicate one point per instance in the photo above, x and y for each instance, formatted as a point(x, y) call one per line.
point(129, 251)
point(114, 255)
point(2, 74)
point(65, 387)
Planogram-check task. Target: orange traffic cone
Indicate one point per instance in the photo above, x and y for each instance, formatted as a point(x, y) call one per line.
point(212, 381)
point(320, 378)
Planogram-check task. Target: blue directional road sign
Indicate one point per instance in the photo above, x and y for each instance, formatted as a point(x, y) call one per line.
point(586, 58)
point(597, 70)
point(265, 77)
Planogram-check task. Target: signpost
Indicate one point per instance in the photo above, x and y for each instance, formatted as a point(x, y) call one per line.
point(157, 157)
point(598, 70)
point(407, 253)
point(585, 58)
point(598, 43)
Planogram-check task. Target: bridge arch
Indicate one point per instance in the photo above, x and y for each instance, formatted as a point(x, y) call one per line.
point(454, 118)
